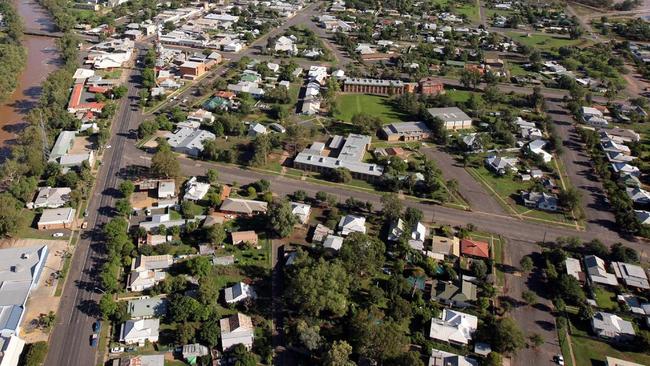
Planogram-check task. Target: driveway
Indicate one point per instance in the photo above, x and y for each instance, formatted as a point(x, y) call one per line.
point(471, 190)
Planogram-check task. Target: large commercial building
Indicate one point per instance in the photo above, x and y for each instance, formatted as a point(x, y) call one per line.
point(374, 86)
point(20, 271)
point(406, 131)
point(452, 117)
point(189, 141)
point(350, 155)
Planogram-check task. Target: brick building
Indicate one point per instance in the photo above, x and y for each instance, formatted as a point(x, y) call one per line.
point(374, 86)
point(431, 86)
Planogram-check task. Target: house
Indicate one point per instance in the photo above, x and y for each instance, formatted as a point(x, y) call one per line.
point(574, 269)
point(140, 331)
point(192, 69)
point(11, 346)
point(474, 248)
point(320, 232)
point(351, 223)
point(195, 190)
point(57, 218)
point(243, 206)
point(142, 360)
point(20, 272)
point(236, 329)
point(540, 200)
point(256, 129)
point(201, 116)
point(443, 247)
point(431, 86)
point(501, 164)
point(471, 142)
point(597, 272)
point(301, 211)
point(406, 131)
point(454, 294)
point(238, 292)
point(333, 242)
point(453, 327)
point(620, 135)
point(623, 169)
point(49, 197)
point(631, 275)
point(285, 45)
point(536, 148)
point(189, 141)
point(244, 237)
point(638, 196)
point(643, 216)
point(159, 220)
point(453, 118)
point(147, 307)
point(613, 146)
point(442, 358)
point(612, 327)
point(146, 271)
point(611, 361)
point(191, 352)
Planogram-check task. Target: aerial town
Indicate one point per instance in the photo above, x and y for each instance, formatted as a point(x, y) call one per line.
point(324, 182)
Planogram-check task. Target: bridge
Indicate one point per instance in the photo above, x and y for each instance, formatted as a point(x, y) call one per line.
point(42, 33)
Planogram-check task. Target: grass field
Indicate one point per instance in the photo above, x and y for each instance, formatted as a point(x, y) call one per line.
point(543, 41)
point(351, 104)
point(460, 95)
point(605, 299)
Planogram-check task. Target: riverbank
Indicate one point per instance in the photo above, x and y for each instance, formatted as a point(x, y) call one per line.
point(42, 59)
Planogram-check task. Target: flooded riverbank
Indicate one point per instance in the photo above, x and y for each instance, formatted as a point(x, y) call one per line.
point(42, 59)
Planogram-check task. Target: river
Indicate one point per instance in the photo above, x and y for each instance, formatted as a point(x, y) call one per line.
point(42, 58)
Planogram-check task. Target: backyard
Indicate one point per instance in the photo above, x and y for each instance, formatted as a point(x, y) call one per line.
point(543, 41)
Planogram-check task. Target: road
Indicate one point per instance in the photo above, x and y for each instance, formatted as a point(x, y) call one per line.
point(70, 339)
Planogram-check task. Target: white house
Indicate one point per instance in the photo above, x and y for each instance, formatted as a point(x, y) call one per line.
point(286, 45)
point(333, 242)
point(352, 223)
point(453, 327)
point(49, 197)
point(536, 147)
point(238, 292)
point(236, 329)
point(597, 273)
point(140, 331)
point(302, 211)
point(195, 190)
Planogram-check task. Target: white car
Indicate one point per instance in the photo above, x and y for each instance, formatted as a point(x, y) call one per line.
point(559, 359)
point(57, 235)
point(117, 349)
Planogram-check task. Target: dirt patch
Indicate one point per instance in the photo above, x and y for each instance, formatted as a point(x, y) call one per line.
point(41, 299)
point(152, 143)
point(81, 145)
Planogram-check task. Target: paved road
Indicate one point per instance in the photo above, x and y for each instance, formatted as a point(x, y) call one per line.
point(472, 191)
point(578, 167)
point(70, 340)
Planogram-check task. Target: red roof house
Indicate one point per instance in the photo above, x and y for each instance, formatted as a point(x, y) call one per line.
point(474, 248)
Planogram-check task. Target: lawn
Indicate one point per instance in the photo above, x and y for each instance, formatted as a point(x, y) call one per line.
point(543, 41)
point(460, 95)
point(459, 8)
point(589, 351)
point(605, 299)
point(27, 228)
point(351, 104)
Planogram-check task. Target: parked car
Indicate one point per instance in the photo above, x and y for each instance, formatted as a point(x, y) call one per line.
point(57, 235)
point(93, 340)
point(117, 349)
point(559, 359)
point(97, 326)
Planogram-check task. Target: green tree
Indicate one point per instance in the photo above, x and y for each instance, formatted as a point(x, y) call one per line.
point(362, 254)
point(570, 198)
point(526, 264)
point(507, 337)
point(261, 149)
point(35, 354)
point(529, 297)
point(210, 332)
point(123, 207)
point(537, 340)
point(185, 308)
point(338, 354)
point(391, 206)
point(107, 306)
point(164, 164)
point(216, 234)
point(242, 356)
point(127, 188)
point(494, 359)
point(213, 176)
point(11, 217)
point(376, 337)
point(320, 287)
point(199, 266)
point(309, 335)
point(191, 209)
point(281, 218)
point(366, 124)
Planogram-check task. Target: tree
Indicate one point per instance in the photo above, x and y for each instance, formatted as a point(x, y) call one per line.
point(339, 175)
point(242, 356)
point(320, 287)
point(190, 209)
point(36, 352)
point(199, 266)
point(470, 78)
point(537, 340)
point(209, 333)
point(164, 164)
point(300, 195)
point(338, 355)
point(123, 207)
point(529, 297)
point(621, 253)
point(216, 234)
point(376, 337)
point(494, 359)
point(391, 206)
point(526, 264)
point(185, 308)
point(507, 337)
point(107, 306)
point(213, 176)
point(127, 188)
point(309, 335)
point(261, 149)
point(479, 269)
point(366, 124)
point(570, 198)
point(281, 218)
point(10, 215)
point(362, 254)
